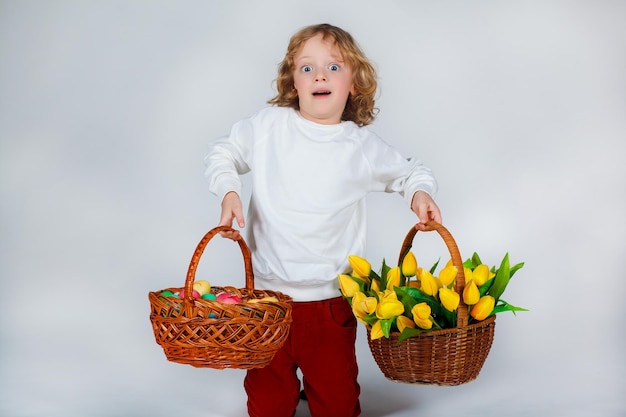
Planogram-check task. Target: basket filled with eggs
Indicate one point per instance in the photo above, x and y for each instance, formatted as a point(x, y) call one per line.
point(220, 327)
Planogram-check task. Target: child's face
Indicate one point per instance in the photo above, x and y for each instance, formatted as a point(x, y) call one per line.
point(322, 79)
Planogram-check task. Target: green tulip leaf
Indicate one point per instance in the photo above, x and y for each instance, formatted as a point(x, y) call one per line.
point(374, 276)
point(409, 332)
point(406, 299)
point(434, 267)
point(504, 306)
point(501, 280)
point(383, 275)
point(385, 325)
point(476, 259)
point(485, 287)
point(420, 297)
point(370, 319)
point(515, 268)
point(448, 317)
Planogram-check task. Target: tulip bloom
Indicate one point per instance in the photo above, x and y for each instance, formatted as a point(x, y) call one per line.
point(421, 316)
point(403, 322)
point(471, 295)
point(447, 275)
point(421, 311)
point(393, 278)
point(449, 298)
point(377, 331)
point(468, 275)
point(429, 284)
point(360, 267)
point(347, 285)
point(388, 305)
point(363, 305)
point(409, 265)
point(483, 308)
point(375, 285)
point(480, 274)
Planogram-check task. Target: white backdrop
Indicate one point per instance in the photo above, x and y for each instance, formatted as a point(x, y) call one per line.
point(106, 109)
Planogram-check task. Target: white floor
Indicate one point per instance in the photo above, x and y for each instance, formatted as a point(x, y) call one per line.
point(131, 378)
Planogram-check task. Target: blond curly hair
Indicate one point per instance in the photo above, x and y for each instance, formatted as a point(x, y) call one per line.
point(360, 105)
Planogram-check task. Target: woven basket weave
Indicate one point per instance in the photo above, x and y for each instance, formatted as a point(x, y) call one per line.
point(213, 334)
point(441, 357)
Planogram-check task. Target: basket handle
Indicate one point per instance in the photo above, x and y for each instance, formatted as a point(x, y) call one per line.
point(195, 259)
point(459, 280)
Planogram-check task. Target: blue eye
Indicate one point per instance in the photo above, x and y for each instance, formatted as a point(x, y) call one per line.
point(307, 68)
point(333, 67)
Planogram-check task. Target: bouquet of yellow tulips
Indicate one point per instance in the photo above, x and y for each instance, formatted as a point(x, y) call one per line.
point(424, 326)
point(413, 300)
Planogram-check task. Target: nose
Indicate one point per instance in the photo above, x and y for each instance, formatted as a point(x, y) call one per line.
point(320, 75)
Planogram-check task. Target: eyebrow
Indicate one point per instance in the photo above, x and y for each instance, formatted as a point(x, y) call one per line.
point(337, 58)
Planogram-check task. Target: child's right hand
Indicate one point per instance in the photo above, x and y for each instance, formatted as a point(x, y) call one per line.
point(231, 210)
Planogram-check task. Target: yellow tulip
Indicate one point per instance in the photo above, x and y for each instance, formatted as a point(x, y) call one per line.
point(468, 274)
point(377, 331)
point(425, 324)
point(449, 298)
point(420, 311)
point(403, 322)
point(347, 285)
point(447, 275)
point(363, 305)
point(409, 265)
point(483, 308)
point(360, 266)
point(388, 305)
point(358, 312)
point(393, 278)
point(480, 274)
point(418, 272)
point(429, 284)
point(471, 295)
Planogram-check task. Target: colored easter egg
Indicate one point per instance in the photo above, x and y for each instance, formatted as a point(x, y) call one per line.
point(202, 286)
point(228, 298)
point(167, 294)
point(194, 294)
point(208, 296)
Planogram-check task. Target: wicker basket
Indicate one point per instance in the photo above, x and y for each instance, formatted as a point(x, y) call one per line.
point(441, 357)
point(212, 334)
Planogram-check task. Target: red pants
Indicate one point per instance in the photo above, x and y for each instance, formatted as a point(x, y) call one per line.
point(320, 343)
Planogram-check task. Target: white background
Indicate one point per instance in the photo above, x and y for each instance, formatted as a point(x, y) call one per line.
point(106, 109)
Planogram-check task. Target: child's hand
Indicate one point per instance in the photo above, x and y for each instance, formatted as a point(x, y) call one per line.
point(424, 206)
point(231, 210)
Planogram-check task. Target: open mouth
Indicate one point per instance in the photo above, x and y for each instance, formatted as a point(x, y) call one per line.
point(321, 93)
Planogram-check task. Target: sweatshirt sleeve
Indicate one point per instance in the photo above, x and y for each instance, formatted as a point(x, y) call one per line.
point(228, 158)
point(392, 172)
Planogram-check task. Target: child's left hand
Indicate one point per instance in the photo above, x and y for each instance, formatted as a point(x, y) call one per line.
point(425, 207)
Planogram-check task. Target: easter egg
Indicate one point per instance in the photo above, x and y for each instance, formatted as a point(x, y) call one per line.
point(208, 296)
point(228, 298)
point(202, 286)
point(167, 294)
point(194, 294)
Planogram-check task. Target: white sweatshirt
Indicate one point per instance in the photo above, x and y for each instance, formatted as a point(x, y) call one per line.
point(309, 183)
